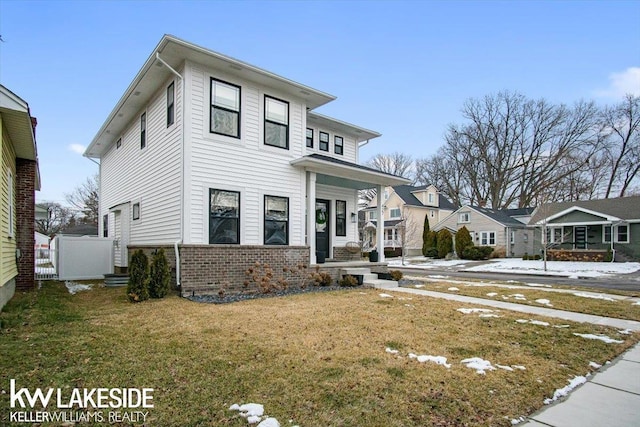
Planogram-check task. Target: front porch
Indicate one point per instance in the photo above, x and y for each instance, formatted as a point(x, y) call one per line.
point(368, 271)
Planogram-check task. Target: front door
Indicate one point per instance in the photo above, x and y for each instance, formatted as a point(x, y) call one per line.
point(322, 226)
point(580, 237)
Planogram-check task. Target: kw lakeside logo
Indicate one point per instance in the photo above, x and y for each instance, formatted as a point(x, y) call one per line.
point(111, 405)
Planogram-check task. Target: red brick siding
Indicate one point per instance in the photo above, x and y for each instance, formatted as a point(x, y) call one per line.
point(25, 223)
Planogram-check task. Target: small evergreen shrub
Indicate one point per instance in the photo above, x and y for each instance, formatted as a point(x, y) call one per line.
point(431, 242)
point(444, 243)
point(138, 286)
point(159, 275)
point(348, 281)
point(475, 253)
point(463, 240)
point(425, 236)
point(396, 275)
point(431, 253)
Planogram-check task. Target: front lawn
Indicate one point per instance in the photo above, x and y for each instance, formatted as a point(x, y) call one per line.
point(324, 359)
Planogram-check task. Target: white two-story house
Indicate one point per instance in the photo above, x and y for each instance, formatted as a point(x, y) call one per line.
point(226, 165)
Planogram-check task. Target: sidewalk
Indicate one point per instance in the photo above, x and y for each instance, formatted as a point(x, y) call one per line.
point(610, 397)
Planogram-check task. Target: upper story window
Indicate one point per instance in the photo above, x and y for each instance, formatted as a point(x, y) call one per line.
point(136, 211)
point(143, 130)
point(324, 141)
point(276, 220)
point(171, 97)
point(394, 213)
point(276, 122)
point(430, 197)
point(309, 138)
point(224, 216)
point(341, 218)
point(464, 217)
point(225, 108)
point(338, 142)
point(373, 215)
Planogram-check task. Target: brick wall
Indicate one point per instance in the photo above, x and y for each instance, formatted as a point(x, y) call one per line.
point(577, 255)
point(25, 223)
point(340, 253)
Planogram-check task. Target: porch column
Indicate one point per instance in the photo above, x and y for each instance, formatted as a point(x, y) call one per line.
point(311, 216)
point(380, 224)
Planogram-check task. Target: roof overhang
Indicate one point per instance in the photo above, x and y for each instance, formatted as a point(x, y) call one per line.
point(607, 218)
point(344, 174)
point(174, 52)
point(16, 119)
point(358, 133)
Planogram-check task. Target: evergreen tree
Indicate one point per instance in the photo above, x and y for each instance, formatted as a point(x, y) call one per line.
point(445, 243)
point(138, 286)
point(425, 235)
point(159, 275)
point(463, 241)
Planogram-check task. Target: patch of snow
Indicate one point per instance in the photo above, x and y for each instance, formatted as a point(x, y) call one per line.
point(594, 365)
point(489, 315)
point(537, 285)
point(506, 368)
point(533, 322)
point(492, 294)
point(557, 268)
point(561, 326)
point(248, 409)
point(544, 301)
point(636, 303)
point(385, 296)
point(269, 422)
point(391, 350)
point(625, 332)
point(74, 287)
point(480, 365)
point(453, 289)
point(519, 297)
point(437, 276)
point(440, 360)
point(561, 392)
point(594, 296)
point(419, 286)
point(518, 420)
point(474, 310)
point(522, 368)
point(602, 338)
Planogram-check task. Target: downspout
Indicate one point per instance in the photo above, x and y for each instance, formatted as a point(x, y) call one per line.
point(176, 243)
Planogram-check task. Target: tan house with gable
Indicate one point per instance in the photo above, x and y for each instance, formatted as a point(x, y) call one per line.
point(404, 209)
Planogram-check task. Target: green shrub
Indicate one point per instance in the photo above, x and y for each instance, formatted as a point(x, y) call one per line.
point(463, 240)
point(348, 281)
point(431, 242)
point(431, 253)
point(396, 275)
point(445, 243)
point(425, 236)
point(159, 275)
point(477, 252)
point(138, 286)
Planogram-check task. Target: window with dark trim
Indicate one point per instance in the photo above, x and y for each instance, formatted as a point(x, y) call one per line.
point(143, 130)
point(224, 217)
point(622, 234)
point(119, 143)
point(276, 122)
point(338, 144)
point(135, 211)
point(276, 220)
point(606, 238)
point(324, 141)
point(171, 97)
point(105, 225)
point(309, 138)
point(225, 108)
point(341, 218)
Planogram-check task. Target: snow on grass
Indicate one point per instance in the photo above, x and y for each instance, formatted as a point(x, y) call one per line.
point(594, 365)
point(519, 297)
point(480, 365)
point(453, 289)
point(474, 310)
point(488, 315)
point(561, 392)
point(625, 332)
point(602, 338)
point(558, 268)
point(385, 296)
point(636, 303)
point(254, 413)
point(593, 296)
point(516, 421)
point(533, 322)
point(492, 294)
point(74, 287)
point(537, 285)
point(438, 276)
point(440, 360)
point(561, 326)
point(391, 350)
point(427, 264)
point(544, 301)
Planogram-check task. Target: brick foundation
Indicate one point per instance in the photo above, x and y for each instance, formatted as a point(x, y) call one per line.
point(148, 250)
point(340, 253)
point(25, 223)
point(577, 255)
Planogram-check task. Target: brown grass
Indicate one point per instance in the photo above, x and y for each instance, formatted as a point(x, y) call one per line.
point(316, 359)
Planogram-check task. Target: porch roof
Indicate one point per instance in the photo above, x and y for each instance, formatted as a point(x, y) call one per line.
point(609, 210)
point(340, 173)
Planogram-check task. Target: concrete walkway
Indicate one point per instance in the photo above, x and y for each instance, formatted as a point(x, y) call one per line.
point(611, 397)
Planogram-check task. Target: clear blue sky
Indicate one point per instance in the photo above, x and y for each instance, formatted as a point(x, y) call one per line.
point(403, 69)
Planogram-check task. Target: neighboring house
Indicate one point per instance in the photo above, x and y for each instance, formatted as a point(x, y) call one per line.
point(504, 230)
point(225, 165)
point(80, 230)
point(591, 225)
point(404, 209)
point(19, 180)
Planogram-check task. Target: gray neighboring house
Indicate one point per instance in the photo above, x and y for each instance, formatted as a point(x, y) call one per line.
point(504, 230)
point(592, 225)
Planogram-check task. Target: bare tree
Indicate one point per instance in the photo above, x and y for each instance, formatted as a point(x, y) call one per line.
point(621, 129)
point(512, 150)
point(84, 199)
point(398, 164)
point(57, 218)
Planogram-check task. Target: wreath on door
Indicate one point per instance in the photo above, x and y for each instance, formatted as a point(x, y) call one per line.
point(321, 216)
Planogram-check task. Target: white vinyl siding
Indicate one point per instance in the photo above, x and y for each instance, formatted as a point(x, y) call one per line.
point(153, 174)
point(244, 165)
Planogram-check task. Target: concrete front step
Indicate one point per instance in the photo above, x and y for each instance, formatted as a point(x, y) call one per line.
point(381, 283)
point(355, 271)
